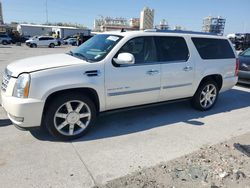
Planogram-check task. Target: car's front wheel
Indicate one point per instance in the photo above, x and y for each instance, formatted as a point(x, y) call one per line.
point(69, 116)
point(33, 45)
point(4, 42)
point(205, 96)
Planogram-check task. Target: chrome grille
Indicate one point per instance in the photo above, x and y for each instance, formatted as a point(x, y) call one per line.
point(6, 79)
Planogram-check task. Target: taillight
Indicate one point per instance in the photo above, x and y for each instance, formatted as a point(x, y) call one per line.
point(237, 66)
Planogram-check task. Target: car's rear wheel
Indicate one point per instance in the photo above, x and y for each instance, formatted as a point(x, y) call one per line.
point(52, 45)
point(69, 116)
point(205, 96)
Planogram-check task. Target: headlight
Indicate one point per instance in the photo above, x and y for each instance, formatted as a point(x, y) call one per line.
point(21, 89)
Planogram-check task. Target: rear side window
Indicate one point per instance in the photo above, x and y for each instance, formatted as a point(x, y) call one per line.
point(171, 49)
point(213, 48)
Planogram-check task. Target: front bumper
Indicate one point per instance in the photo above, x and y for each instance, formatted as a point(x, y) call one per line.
point(244, 77)
point(24, 113)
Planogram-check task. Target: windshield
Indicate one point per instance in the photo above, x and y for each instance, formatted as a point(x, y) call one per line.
point(96, 48)
point(246, 53)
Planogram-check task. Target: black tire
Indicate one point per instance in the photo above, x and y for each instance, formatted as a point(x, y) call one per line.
point(197, 100)
point(33, 45)
point(4, 42)
point(55, 107)
point(52, 45)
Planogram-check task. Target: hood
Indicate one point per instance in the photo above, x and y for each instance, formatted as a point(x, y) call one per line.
point(244, 59)
point(29, 40)
point(42, 62)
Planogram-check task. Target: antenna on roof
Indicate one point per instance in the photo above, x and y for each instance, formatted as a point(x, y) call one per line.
point(123, 30)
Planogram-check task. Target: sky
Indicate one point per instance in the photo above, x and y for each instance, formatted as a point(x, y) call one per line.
point(187, 13)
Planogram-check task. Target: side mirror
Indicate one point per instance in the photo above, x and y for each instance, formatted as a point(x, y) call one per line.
point(125, 59)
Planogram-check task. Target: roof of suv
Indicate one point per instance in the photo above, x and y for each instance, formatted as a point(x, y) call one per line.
point(164, 33)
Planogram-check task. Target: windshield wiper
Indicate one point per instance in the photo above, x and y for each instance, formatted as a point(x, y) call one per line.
point(79, 55)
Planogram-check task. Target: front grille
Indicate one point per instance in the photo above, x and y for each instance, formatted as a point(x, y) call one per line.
point(6, 79)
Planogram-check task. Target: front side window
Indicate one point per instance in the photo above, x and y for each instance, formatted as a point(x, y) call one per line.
point(96, 48)
point(210, 48)
point(143, 49)
point(172, 49)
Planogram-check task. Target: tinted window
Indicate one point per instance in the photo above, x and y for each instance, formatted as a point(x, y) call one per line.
point(213, 48)
point(143, 49)
point(172, 49)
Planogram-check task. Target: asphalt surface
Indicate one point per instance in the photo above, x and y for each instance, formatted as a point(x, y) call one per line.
point(119, 144)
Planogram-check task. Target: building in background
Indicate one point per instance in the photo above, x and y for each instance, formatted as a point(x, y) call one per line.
point(179, 28)
point(110, 24)
point(214, 25)
point(163, 25)
point(61, 31)
point(1, 14)
point(134, 23)
point(147, 19)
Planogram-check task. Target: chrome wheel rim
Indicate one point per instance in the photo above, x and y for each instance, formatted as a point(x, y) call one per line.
point(208, 96)
point(72, 118)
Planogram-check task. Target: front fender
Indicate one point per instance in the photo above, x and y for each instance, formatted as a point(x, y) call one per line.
point(45, 83)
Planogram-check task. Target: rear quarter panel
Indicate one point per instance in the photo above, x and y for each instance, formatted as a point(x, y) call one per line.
point(206, 67)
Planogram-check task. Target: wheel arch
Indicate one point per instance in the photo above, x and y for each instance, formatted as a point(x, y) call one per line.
point(215, 77)
point(89, 92)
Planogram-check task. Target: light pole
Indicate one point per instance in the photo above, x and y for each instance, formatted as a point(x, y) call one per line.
point(46, 7)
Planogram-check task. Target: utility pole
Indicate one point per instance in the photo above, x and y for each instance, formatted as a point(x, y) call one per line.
point(46, 7)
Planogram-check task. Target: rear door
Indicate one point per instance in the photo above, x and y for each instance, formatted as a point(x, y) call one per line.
point(177, 67)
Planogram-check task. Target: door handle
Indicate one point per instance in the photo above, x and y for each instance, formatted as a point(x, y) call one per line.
point(152, 72)
point(188, 68)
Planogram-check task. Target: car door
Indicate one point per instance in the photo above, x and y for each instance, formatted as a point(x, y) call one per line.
point(41, 41)
point(177, 67)
point(133, 84)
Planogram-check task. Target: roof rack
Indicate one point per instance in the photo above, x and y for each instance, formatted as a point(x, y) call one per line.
point(180, 31)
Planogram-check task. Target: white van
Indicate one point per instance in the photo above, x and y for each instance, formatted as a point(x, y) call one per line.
point(114, 70)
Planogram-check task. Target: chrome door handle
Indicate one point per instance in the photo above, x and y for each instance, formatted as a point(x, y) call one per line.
point(152, 72)
point(187, 68)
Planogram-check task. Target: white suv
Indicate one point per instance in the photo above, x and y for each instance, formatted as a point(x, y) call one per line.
point(66, 92)
point(42, 41)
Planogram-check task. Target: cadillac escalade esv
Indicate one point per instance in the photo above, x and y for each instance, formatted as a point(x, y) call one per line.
point(114, 70)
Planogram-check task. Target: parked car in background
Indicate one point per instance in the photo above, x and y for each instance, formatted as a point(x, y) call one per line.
point(22, 39)
point(42, 41)
point(244, 69)
point(5, 39)
point(70, 41)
